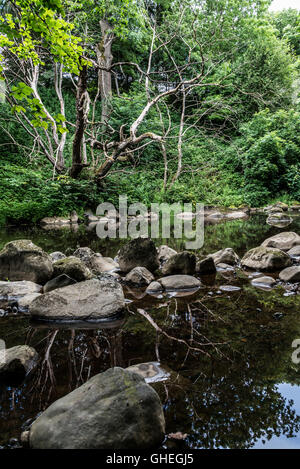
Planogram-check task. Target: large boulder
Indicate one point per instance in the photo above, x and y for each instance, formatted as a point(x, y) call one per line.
point(73, 267)
point(113, 410)
point(139, 252)
point(181, 263)
point(290, 274)
point(225, 256)
point(17, 362)
point(174, 283)
point(266, 259)
point(90, 300)
point(139, 276)
point(284, 241)
point(279, 219)
point(23, 260)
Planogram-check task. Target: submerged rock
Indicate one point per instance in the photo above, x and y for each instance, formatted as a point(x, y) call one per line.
point(139, 252)
point(23, 260)
point(181, 263)
point(139, 276)
point(206, 266)
point(225, 256)
point(290, 274)
point(266, 259)
point(113, 410)
point(90, 300)
point(17, 362)
point(284, 241)
point(72, 267)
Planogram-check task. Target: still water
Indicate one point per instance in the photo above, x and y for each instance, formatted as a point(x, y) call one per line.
point(232, 383)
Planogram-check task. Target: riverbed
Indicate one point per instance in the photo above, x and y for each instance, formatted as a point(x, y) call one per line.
point(230, 379)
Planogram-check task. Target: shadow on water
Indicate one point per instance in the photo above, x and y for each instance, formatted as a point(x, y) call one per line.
point(228, 353)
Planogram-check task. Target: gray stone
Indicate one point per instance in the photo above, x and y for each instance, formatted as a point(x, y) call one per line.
point(139, 276)
point(236, 215)
point(152, 372)
point(266, 259)
point(165, 253)
point(215, 216)
point(113, 410)
point(284, 241)
point(18, 360)
point(181, 263)
point(139, 252)
point(25, 301)
point(174, 282)
point(62, 280)
point(294, 252)
point(95, 262)
point(290, 274)
point(55, 221)
point(23, 260)
point(225, 256)
point(90, 300)
point(206, 266)
point(16, 290)
point(264, 282)
point(73, 267)
point(57, 256)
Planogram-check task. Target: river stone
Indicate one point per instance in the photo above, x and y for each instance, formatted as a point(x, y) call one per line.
point(95, 262)
point(215, 216)
point(57, 256)
point(139, 252)
point(17, 361)
point(206, 266)
point(282, 205)
point(225, 256)
point(16, 290)
point(73, 267)
point(23, 260)
point(236, 215)
point(62, 280)
point(139, 276)
point(90, 300)
point(25, 301)
point(181, 263)
point(281, 217)
point(152, 372)
point(55, 221)
point(164, 253)
point(294, 252)
point(266, 259)
point(284, 241)
point(113, 410)
point(264, 282)
point(173, 283)
point(290, 274)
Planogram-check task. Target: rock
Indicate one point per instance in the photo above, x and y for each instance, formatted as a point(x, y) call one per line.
point(295, 208)
point(72, 267)
point(284, 241)
point(236, 215)
point(139, 276)
point(227, 267)
point(57, 256)
point(23, 260)
point(139, 252)
point(206, 266)
point(25, 301)
point(274, 209)
point(182, 263)
point(225, 256)
point(279, 219)
point(90, 217)
point(290, 274)
point(74, 217)
point(294, 253)
point(151, 372)
point(17, 290)
point(95, 262)
point(185, 215)
point(114, 410)
point(229, 288)
point(55, 221)
point(165, 253)
point(282, 205)
point(90, 300)
point(215, 216)
point(173, 283)
point(17, 362)
point(263, 282)
point(62, 280)
point(266, 259)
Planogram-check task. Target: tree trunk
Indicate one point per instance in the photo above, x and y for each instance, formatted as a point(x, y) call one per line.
point(82, 100)
point(105, 58)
